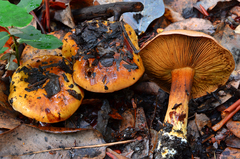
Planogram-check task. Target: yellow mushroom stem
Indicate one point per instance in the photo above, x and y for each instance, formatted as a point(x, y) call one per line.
point(177, 112)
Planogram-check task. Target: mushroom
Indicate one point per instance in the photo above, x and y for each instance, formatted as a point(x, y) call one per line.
point(43, 89)
point(188, 64)
point(107, 58)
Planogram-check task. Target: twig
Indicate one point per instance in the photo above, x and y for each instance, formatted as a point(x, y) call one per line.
point(106, 10)
point(209, 137)
point(47, 14)
point(128, 39)
point(225, 119)
point(36, 18)
point(232, 107)
point(80, 147)
point(203, 10)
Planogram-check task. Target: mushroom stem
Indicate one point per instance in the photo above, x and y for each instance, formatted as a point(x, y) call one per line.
point(177, 113)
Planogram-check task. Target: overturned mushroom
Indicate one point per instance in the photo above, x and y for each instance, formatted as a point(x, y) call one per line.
point(43, 89)
point(106, 59)
point(186, 64)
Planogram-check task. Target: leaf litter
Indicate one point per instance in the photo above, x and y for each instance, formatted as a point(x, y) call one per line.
point(115, 116)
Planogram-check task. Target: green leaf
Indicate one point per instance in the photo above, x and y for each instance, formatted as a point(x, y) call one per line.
point(4, 36)
point(45, 42)
point(3, 49)
point(12, 15)
point(29, 5)
point(29, 32)
point(35, 38)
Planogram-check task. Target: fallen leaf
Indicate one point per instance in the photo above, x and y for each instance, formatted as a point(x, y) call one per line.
point(230, 153)
point(26, 139)
point(196, 24)
point(8, 122)
point(138, 149)
point(65, 16)
point(232, 141)
point(201, 121)
point(234, 127)
point(180, 6)
point(128, 120)
point(193, 130)
point(4, 96)
point(103, 117)
point(230, 40)
point(141, 122)
point(172, 15)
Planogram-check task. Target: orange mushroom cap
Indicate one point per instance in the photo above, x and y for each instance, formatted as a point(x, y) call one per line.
point(175, 49)
point(106, 60)
point(43, 89)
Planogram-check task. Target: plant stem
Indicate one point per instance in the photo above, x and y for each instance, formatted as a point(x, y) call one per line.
point(16, 49)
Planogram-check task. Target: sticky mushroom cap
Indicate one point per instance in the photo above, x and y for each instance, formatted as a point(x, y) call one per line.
point(114, 66)
point(43, 89)
point(170, 50)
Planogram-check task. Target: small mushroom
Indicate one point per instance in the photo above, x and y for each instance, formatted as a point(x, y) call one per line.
point(43, 89)
point(188, 64)
point(107, 59)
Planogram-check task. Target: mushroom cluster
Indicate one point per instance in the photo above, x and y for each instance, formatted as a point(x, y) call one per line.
point(43, 89)
point(106, 55)
point(188, 64)
point(105, 59)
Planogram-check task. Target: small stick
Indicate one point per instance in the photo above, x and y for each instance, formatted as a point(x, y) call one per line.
point(106, 10)
point(209, 137)
point(39, 23)
point(204, 12)
point(47, 14)
point(232, 107)
point(128, 39)
point(225, 119)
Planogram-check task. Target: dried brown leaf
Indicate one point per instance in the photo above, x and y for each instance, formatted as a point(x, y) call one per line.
point(196, 24)
point(25, 139)
point(230, 153)
point(128, 120)
point(233, 126)
point(8, 122)
point(201, 121)
point(172, 15)
point(65, 16)
point(232, 141)
point(3, 95)
point(230, 40)
point(179, 6)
